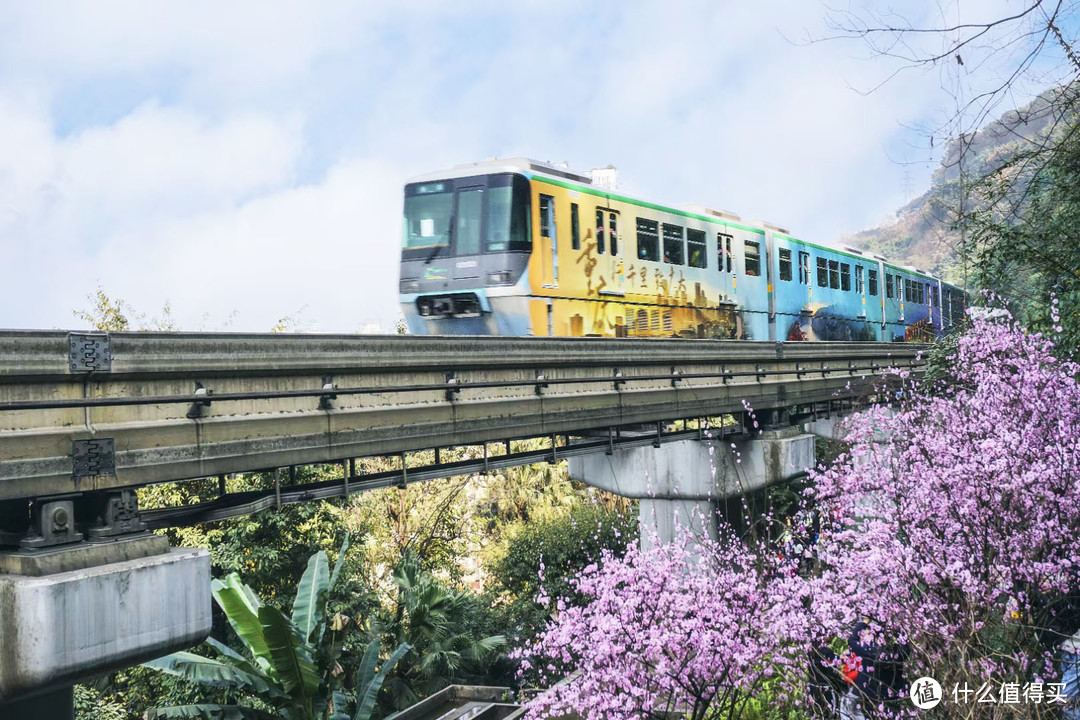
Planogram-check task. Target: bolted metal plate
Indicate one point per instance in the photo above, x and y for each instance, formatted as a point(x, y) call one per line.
point(89, 352)
point(92, 458)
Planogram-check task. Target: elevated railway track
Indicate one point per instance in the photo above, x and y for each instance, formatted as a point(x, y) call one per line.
point(90, 415)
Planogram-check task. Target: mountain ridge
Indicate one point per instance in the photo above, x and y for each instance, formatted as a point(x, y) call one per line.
point(925, 232)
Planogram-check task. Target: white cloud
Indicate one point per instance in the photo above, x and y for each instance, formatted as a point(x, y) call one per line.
point(245, 160)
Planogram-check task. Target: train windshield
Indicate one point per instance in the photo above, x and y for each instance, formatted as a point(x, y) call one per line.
point(466, 216)
point(427, 216)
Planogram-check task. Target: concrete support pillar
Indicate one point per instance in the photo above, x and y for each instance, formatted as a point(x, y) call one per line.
point(684, 483)
point(827, 427)
point(75, 612)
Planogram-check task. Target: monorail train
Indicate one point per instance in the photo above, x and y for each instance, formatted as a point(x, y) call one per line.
point(518, 247)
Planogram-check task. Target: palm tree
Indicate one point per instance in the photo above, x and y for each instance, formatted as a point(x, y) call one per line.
point(288, 671)
point(434, 621)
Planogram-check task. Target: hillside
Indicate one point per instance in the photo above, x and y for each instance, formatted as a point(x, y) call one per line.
point(924, 233)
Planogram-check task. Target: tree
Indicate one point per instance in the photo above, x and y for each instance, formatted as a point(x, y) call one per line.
point(1022, 60)
point(987, 61)
point(435, 622)
point(689, 629)
point(291, 668)
point(556, 549)
point(1027, 245)
point(957, 517)
point(114, 315)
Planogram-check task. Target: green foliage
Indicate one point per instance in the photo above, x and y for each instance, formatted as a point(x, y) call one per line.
point(371, 680)
point(114, 315)
point(91, 704)
point(438, 623)
point(564, 544)
point(271, 549)
point(1027, 244)
point(287, 670)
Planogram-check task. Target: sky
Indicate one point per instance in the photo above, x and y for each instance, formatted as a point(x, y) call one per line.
point(243, 162)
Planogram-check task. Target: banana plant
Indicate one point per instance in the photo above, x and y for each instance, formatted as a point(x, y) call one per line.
point(290, 669)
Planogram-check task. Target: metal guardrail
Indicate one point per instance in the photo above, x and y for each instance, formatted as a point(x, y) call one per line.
point(85, 412)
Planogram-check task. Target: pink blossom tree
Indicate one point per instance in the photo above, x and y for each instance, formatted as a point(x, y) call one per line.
point(694, 628)
point(956, 517)
point(949, 530)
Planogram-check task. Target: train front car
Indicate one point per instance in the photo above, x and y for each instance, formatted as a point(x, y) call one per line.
point(465, 251)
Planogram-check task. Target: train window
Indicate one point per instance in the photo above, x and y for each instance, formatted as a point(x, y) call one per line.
point(822, 272)
point(752, 256)
point(509, 206)
point(470, 205)
point(427, 219)
point(642, 320)
point(674, 248)
point(834, 274)
point(695, 248)
point(648, 240)
point(922, 292)
point(845, 276)
point(547, 216)
point(575, 228)
point(933, 294)
point(860, 285)
point(872, 277)
point(804, 267)
point(613, 232)
point(600, 232)
point(785, 264)
point(889, 293)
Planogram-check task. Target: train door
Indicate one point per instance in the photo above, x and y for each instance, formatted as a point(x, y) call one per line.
point(609, 248)
point(617, 267)
point(770, 281)
point(881, 297)
point(549, 246)
point(804, 278)
point(724, 260)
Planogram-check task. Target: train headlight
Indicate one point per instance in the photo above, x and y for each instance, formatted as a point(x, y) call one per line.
point(499, 278)
point(409, 286)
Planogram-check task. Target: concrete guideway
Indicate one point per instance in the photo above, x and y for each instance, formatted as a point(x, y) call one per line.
point(81, 413)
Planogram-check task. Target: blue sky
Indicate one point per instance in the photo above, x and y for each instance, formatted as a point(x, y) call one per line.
point(244, 161)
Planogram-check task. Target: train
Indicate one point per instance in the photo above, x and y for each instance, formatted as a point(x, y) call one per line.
point(521, 247)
